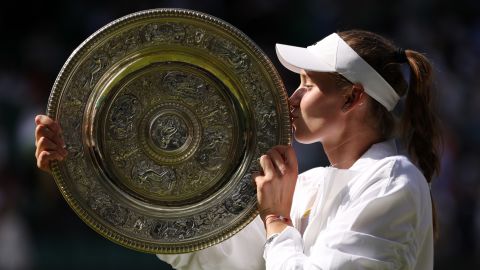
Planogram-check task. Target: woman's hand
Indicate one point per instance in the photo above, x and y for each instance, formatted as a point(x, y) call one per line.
point(276, 185)
point(49, 142)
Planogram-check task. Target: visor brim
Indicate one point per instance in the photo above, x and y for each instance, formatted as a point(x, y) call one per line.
point(298, 58)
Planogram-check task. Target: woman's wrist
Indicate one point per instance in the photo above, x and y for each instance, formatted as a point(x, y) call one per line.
point(276, 218)
point(276, 224)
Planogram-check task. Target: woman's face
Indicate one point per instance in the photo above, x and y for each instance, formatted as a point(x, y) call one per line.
point(316, 107)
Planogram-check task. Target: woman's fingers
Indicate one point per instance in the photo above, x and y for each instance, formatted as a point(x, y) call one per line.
point(288, 155)
point(45, 157)
point(267, 166)
point(45, 144)
point(46, 127)
point(277, 160)
point(281, 159)
point(42, 131)
point(291, 158)
point(47, 121)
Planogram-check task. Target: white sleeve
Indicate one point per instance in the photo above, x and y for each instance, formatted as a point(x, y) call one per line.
point(379, 229)
point(241, 251)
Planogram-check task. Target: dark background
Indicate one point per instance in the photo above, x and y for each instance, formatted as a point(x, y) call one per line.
point(39, 231)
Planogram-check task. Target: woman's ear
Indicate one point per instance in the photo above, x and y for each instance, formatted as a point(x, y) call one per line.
point(353, 96)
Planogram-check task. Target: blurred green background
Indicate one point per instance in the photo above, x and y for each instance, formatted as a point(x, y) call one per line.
point(39, 231)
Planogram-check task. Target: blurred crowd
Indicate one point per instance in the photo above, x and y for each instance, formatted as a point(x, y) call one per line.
point(39, 231)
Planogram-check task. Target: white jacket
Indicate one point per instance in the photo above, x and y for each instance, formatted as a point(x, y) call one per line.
point(375, 215)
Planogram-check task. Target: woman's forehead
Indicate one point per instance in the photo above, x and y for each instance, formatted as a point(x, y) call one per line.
point(316, 76)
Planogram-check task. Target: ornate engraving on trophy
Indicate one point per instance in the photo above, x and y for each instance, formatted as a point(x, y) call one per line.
point(241, 197)
point(169, 132)
point(154, 178)
point(122, 116)
point(181, 140)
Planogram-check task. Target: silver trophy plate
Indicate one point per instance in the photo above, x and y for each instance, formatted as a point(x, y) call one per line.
point(165, 114)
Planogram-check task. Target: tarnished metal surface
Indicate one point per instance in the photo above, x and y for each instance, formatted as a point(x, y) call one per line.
point(165, 113)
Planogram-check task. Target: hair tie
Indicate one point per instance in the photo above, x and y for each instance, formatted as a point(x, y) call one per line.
point(400, 56)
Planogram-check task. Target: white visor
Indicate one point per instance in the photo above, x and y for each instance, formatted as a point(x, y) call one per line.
point(332, 54)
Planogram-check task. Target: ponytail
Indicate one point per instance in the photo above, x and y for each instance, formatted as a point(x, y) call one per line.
point(419, 125)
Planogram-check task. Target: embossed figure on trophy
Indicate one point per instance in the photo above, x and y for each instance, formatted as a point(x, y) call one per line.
point(208, 220)
point(215, 141)
point(241, 198)
point(131, 42)
point(234, 56)
point(73, 139)
point(169, 132)
point(164, 32)
point(154, 178)
point(192, 174)
point(164, 230)
point(122, 156)
point(186, 228)
point(73, 102)
point(239, 61)
point(180, 229)
point(267, 120)
point(199, 34)
point(218, 115)
point(185, 85)
point(115, 214)
point(99, 62)
point(118, 47)
point(167, 135)
point(212, 152)
point(217, 215)
point(109, 210)
point(122, 115)
point(139, 224)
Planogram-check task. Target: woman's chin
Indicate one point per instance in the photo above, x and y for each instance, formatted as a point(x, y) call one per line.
point(301, 138)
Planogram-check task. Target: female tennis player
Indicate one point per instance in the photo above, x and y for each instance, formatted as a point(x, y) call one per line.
point(371, 208)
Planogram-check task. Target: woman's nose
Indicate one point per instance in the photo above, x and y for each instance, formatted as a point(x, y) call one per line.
point(297, 96)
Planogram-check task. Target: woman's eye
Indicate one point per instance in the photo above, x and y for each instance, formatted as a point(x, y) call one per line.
point(308, 86)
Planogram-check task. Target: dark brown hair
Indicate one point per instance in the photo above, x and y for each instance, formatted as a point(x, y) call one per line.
point(418, 127)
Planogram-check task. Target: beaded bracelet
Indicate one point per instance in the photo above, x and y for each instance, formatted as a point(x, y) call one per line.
point(274, 218)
